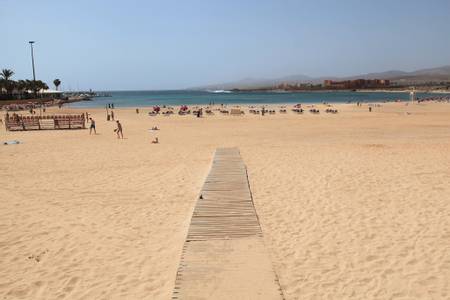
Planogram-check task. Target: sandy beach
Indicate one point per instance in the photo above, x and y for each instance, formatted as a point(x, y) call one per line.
point(354, 205)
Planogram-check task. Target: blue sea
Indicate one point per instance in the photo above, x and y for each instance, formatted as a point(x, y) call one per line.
point(179, 97)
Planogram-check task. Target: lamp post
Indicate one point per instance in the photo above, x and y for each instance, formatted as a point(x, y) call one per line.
point(34, 72)
point(32, 60)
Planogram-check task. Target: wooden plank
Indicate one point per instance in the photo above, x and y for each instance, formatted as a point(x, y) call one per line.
point(224, 255)
point(216, 262)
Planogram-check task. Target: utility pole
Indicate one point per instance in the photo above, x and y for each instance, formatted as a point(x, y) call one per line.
point(32, 64)
point(32, 60)
point(34, 74)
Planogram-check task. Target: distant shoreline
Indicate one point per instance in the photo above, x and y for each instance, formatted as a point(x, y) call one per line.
point(405, 91)
point(201, 98)
point(48, 102)
point(440, 91)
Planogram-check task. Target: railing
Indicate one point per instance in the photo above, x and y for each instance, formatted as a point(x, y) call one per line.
point(18, 122)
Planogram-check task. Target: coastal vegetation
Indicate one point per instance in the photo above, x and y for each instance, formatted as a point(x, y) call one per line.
point(20, 89)
point(57, 83)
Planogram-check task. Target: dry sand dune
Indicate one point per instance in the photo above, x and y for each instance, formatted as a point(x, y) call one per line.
point(352, 206)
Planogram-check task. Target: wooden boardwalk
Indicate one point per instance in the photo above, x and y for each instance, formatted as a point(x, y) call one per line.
point(224, 255)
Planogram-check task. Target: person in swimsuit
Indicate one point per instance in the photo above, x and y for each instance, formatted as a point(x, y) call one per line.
point(92, 126)
point(119, 130)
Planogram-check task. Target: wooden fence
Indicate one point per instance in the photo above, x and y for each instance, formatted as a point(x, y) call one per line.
point(18, 122)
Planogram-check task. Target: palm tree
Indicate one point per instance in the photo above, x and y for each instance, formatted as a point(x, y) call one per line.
point(57, 83)
point(6, 74)
point(21, 86)
point(2, 85)
point(38, 85)
point(41, 85)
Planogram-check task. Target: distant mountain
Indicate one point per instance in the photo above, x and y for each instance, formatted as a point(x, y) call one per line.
point(424, 75)
point(249, 83)
point(433, 74)
point(382, 75)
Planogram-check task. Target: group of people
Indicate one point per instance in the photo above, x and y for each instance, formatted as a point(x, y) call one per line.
point(118, 130)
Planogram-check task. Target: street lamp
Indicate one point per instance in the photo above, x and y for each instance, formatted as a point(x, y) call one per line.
point(32, 60)
point(34, 74)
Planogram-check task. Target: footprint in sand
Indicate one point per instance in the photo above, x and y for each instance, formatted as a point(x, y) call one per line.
point(39, 256)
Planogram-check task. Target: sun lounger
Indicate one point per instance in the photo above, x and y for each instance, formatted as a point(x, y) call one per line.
point(236, 112)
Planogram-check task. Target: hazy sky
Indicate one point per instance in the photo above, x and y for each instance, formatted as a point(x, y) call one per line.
point(178, 44)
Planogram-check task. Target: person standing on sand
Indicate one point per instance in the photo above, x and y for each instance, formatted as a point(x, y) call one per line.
point(118, 130)
point(92, 126)
point(112, 115)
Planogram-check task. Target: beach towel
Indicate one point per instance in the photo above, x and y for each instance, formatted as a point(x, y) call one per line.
point(13, 142)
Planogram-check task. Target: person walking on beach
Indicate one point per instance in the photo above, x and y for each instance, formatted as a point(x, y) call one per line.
point(92, 126)
point(112, 115)
point(118, 130)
